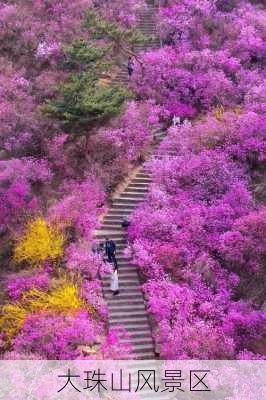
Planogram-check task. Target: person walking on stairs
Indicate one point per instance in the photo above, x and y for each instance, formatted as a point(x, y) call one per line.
point(114, 286)
point(110, 249)
point(130, 66)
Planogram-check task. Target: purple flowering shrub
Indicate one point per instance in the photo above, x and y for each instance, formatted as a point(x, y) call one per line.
point(18, 181)
point(187, 83)
point(39, 335)
point(124, 12)
point(75, 337)
point(195, 321)
point(133, 133)
point(244, 245)
point(200, 233)
point(87, 196)
point(198, 239)
point(91, 291)
point(18, 284)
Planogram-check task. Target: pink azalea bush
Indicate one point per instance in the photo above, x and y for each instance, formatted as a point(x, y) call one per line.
point(196, 322)
point(198, 226)
point(18, 181)
point(186, 83)
point(198, 239)
point(40, 336)
point(43, 172)
point(91, 291)
point(17, 285)
point(134, 130)
point(87, 196)
point(82, 261)
point(72, 339)
point(121, 11)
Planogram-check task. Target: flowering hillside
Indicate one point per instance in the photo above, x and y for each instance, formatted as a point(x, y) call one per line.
point(199, 239)
point(69, 136)
point(57, 169)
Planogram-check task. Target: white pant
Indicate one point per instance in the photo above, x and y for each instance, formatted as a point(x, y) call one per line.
point(114, 286)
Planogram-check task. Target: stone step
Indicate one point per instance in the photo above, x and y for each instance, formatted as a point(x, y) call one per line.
point(120, 255)
point(146, 356)
point(120, 241)
point(141, 178)
point(120, 299)
point(134, 195)
point(126, 278)
point(143, 47)
point(130, 203)
point(124, 284)
point(126, 268)
point(125, 274)
point(116, 223)
point(119, 213)
point(111, 235)
point(148, 24)
point(124, 261)
point(131, 282)
point(136, 189)
point(140, 185)
point(127, 307)
point(130, 290)
point(133, 328)
point(113, 217)
point(118, 206)
point(128, 315)
point(143, 347)
point(137, 342)
point(128, 322)
point(120, 248)
point(149, 31)
point(131, 199)
point(140, 334)
point(123, 296)
point(111, 226)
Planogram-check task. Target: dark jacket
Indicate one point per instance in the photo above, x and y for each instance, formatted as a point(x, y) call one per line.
point(110, 247)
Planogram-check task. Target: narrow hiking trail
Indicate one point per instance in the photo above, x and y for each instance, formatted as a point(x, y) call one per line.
point(147, 26)
point(128, 308)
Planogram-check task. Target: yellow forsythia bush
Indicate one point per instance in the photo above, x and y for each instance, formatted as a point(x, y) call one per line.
point(64, 299)
point(13, 317)
point(40, 242)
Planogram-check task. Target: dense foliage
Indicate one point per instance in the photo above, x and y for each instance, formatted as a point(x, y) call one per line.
point(199, 238)
point(68, 137)
point(55, 90)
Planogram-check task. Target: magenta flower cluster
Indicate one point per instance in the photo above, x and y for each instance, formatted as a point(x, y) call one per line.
point(18, 284)
point(199, 238)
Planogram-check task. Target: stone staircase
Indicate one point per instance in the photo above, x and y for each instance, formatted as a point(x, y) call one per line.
point(147, 26)
point(127, 309)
